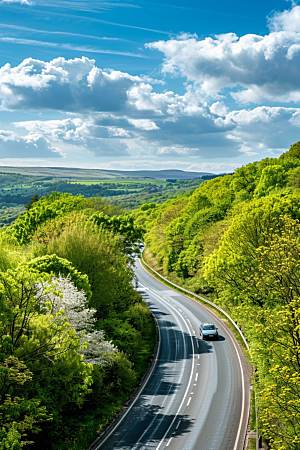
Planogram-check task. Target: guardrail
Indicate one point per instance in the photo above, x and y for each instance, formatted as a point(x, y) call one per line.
point(204, 300)
point(225, 314)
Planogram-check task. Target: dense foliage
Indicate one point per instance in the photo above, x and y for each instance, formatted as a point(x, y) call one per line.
point(75, 336)
point(236, 239)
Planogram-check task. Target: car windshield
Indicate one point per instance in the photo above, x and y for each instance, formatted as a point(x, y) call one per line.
point(209, 327)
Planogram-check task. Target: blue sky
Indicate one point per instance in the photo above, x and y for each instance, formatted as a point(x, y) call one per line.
point(205, 86)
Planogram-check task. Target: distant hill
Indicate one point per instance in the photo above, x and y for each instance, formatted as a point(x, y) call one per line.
point(68, 172)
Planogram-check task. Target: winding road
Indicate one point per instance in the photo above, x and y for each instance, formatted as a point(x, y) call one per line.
point(197, 396)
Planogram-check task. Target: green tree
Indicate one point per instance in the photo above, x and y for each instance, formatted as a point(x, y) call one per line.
point(34, 199)
point(52, 264)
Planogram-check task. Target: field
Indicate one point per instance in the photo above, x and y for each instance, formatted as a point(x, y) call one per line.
point(17, 189)
point(121, 181)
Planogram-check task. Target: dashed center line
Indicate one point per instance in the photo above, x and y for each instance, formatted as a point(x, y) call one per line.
point(169, 442)
point(196, 376)
point(189, 401)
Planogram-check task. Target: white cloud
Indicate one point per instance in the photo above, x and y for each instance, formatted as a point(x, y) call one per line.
point(85, 134)
point(67, 85)
point(118, 114)
point(13, 145)
point(23, 2)
point(144, 124)
point(288, 20)
point(257, 67)
point(219, 108)
point(264, 128)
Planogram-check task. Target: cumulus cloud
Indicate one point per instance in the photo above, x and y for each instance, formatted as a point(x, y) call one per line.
point(144, 124)
point(266, 128)
point(288, 20)
point(13, 145)
point(257, 67)
point(87, 134)
point(118, 114)
point(67, 85)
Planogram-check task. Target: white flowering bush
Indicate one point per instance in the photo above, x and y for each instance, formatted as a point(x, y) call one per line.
point(63, 300)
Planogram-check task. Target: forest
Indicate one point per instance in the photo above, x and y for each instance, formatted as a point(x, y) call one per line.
point(236, 240)
point(16, 190)
point(76, 337)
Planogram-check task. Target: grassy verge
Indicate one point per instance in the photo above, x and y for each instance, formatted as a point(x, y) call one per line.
point(251, 444)
point(253, 412)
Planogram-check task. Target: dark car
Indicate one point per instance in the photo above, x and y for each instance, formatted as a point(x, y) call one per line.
point(208, 331)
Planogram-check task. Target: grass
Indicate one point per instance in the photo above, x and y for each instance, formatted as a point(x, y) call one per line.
point(253, 411)
point(251, 444)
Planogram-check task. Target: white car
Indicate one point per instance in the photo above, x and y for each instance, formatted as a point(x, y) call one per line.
point(208, 331)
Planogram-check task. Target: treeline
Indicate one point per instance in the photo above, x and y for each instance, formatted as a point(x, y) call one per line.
point(237, 240)
point(17, 190)
point(75, 336)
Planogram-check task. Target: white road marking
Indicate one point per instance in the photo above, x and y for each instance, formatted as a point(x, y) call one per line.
point(196, 376)
point(189, 401)
point(168, 442)
point(243, 395)
point(182, 370)
point(189, 383)
point(178, 424)
point(186, 392)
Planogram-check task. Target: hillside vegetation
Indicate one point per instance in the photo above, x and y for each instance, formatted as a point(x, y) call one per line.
point(16, 190)
point(75, 336)
point(237, 239)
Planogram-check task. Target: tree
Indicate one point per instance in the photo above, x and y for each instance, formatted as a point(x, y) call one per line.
point(72, 305)
point(54, 265)
point(18, 413)
point(34, 199)
point(260, 284)
point(97, 254)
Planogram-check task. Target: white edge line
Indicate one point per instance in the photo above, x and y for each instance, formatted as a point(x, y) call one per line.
point(168, 442)
point(243, 401)
point(141, 388)
point(240, 362)
point(187, 389)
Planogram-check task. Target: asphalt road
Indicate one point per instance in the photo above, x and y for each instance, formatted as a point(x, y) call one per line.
point(197, 397)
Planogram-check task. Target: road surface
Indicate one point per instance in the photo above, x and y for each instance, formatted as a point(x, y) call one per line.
point(197, 397)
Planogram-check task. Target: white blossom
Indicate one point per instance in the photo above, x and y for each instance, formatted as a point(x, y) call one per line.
point(95, 349)
point(71, 303)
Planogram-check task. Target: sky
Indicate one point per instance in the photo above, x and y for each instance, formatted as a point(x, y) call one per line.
point(132, 84)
